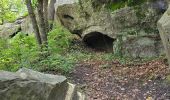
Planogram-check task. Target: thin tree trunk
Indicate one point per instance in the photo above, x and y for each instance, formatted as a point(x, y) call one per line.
point(45, 6)
point(51, 12)
point(41, 22)
point(2, 21)
point(34, 21)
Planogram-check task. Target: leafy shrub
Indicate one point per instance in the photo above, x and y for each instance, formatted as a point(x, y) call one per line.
point(59, 39)
point(23, 51)
point(10, 10)
point(17, 52)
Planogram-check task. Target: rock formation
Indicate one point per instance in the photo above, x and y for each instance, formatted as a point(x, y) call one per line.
point(130, 31)
point(9, 30)
point(27, 84)
point(93, 26)
point(135, 27)
point(164, 29)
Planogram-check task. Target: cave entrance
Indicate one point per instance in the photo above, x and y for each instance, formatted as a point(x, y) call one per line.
point(99, 41)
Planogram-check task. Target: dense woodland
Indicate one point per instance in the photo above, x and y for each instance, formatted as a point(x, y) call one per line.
point(55, 47)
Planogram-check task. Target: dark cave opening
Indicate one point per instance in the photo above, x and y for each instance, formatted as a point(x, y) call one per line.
point(99, 41)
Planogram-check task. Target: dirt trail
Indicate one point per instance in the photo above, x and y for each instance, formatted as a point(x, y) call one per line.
point(144, 81)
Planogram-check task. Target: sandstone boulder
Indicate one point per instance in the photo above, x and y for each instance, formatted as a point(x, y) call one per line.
point(164, 29)
point(9, 30)
point(27, 84)
point(87, 22)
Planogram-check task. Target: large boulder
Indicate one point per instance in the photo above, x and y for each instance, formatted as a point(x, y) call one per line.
point(87, 22)
point(164, 29)
point(141, 47)
point(27, 84)
point(9, 30)
point(136, 30)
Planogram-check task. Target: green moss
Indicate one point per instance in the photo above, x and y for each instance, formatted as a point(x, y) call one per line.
point(115, 6)
point(122, 3)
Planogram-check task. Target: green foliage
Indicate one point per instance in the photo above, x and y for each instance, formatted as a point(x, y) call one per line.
point(11, 9)
point(116, 5)
point(17, 52)
point(61, 56)
point(22, 51)
point(59, 39)
point(57, 62)
point(59, 42)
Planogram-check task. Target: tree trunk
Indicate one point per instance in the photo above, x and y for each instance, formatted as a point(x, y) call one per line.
point(2, 21)
point(45, 6)
point(41, 22)
point(51, 12)
point(34, 21)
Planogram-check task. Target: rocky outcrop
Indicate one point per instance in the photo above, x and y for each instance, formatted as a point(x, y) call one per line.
point(82, 19)
point(27, 84)
point(100, 28)
point(164, 29)
point(9, 30)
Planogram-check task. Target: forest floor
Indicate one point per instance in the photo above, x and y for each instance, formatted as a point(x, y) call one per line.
point(109, 79)
point(146, 81)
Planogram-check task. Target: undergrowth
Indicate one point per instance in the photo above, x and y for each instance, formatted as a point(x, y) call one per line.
point(64, 52)
point(22, 51)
